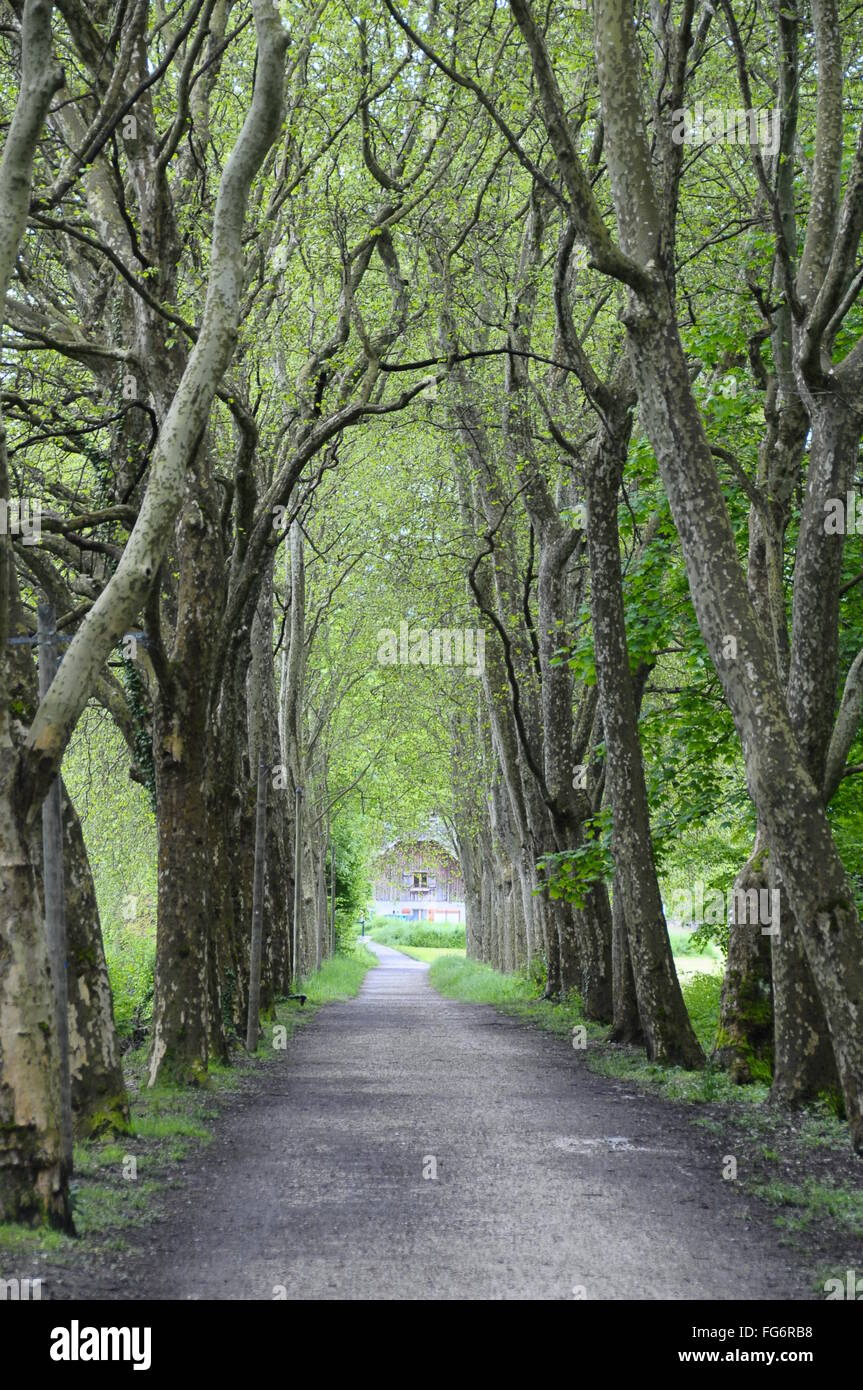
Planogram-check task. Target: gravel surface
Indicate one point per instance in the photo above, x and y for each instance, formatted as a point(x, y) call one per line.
point(413, 1147)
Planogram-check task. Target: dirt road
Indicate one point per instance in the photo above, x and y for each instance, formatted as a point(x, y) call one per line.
point(411, 1147)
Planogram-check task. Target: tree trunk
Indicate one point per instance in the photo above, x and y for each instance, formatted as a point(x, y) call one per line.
point(744, 1041)
point(33, 1183)
point(804, 1065)
point(745, 1033)
point(626, 1025)
point(668, 1032)
point(180, 1043)
point(100, 1104)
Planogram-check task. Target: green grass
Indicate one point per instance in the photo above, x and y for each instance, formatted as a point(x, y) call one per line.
point(340, 977)
point(21, 1241)
point(167, 1126)
point(431, 953)
point(101, 1207)
point(130, 955)
point(701, 995)
point(469, 980)
point(391, 932)
point(816, 1125)
point(94, 1158)
point(691, 960)
point(698, 1087)
point(812, 1202)
point(689, 966)
point(682, 944)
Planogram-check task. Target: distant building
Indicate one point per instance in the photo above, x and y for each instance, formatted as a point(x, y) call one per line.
point(419, 879)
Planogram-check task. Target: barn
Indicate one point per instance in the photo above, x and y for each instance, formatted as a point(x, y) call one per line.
point(419, 878)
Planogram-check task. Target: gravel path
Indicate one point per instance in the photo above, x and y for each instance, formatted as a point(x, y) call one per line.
point(551, 1182)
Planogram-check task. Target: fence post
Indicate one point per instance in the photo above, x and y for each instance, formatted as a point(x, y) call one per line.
point(298, 885)
point(54, 889)
point(257, 907)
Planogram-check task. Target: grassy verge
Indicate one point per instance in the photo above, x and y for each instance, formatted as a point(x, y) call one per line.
point(431, 953)
point(458, 978)
point(692, 960)
point(437, 935)
point(115, 1182)
point(339, 978)
point(811, 1202)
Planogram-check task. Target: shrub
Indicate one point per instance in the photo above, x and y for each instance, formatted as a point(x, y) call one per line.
point(131, 959)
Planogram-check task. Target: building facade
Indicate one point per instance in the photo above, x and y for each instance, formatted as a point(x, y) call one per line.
point(420, 880)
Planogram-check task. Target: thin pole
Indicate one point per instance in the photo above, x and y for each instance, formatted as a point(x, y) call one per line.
point(332, 898)
point(54, 888)
point(298, 882)
point(257, 907)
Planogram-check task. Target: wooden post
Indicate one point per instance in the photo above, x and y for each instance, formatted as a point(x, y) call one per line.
point(332, 898)
point(54, 889)
point(257, 907)
point(298, 885)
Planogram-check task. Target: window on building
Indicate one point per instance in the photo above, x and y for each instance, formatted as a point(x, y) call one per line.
point(421, 880)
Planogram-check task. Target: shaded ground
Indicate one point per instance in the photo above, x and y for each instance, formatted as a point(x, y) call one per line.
point(551, 1182)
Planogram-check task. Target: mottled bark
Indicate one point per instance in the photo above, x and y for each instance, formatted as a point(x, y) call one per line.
point(99, 1101)
point(626, 1025)
point(100, 1104)
point(182, 749)
point(745, 1033)
point(33, 1182)
point(804, 1066)
point(180, 1038)
point(668, 1032)
point(291, 734)
point(744, 1042)
point(263, 732)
